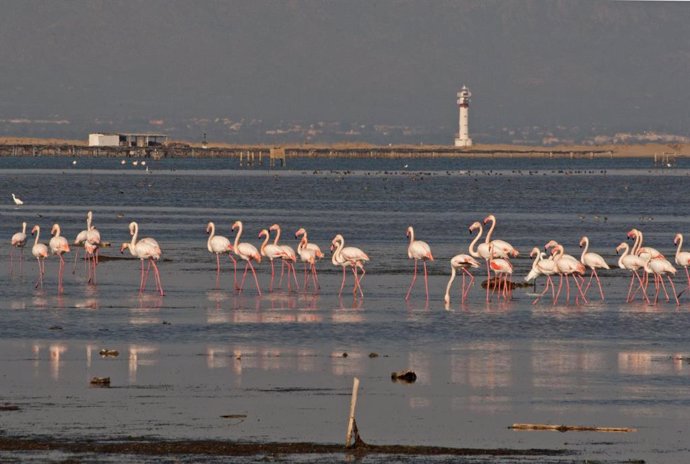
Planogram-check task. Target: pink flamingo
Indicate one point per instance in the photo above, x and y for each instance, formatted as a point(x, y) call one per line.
point(417, 250)
point(462, 263)
point(593, 261)
point(289, 259)
point(146, 248)
point(308, 257)
point(271, 251)
point(632, 263)
point(502, 269)
point(482, 251)
point(661, 267)
point(91, 234)
point(567, 266)
point(502, 249)
point(247, 252)
point(682, 257)
point(545, 267)
point(18, 241)
point(349, 256)
point(217, 244)
point(40, 252)
point(639, 250)
point(58, 246)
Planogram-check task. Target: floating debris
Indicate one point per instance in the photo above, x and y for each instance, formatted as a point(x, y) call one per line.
point(373, 355)
point(406, 376)
point(109, 353)
point(100, 381)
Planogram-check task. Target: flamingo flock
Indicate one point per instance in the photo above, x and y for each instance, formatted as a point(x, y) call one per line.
point(575, 275)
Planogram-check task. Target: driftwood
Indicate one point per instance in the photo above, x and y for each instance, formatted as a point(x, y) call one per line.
point(100, 381)
point(109, 353)
point(570, 428)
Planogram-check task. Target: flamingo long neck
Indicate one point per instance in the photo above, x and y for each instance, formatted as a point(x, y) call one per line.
point(88, 221)
point(410, 231)
point(263, 245)
point(275, 242)
point(237, 237)
point(626, 250)
point(680, 245)
point(338, 251)
point(638, 243)
point(559, 250)
point(211, 235)
point(450, 282)
point(24, 228)
point(535, 264)
point(302, 243)
point(133, 242)
point(38, 233)
point(491, 230)
point(584, 251)
point(473, 249)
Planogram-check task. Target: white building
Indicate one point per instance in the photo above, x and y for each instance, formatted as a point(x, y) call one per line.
point(463, 139)
point(104, 140)
point(127, 139)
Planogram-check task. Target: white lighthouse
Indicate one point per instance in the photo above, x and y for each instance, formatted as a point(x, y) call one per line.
point(463, 139)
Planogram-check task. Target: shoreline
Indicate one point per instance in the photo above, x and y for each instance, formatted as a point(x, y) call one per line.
point(162, 447)
point(29, 147)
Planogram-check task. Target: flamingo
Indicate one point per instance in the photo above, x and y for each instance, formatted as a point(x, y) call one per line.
point(632, 263)
point(18, 241)
point(217, 244)
point(40, 252)
point(146, 248)
point(460, 262)
point(482, 251)
point(418, 250)
point(593, 261)
point(16, 200)
point(661, 267)
point(310, 248)
point(58, 246)
point(502, 249)
point(247, 252)
point(566, 266)
point(354, 257)
point(308, 257)
point(502, 269)
point(682, 257)
point(289, 259)
point(271, 251)
point(545, 267)
point(639, 250)
point(91, 234)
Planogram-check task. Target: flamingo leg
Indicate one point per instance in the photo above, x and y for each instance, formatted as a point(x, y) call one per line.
point(673, 286)
point(315, 279)
point(146, 276)
point(234, 267)
point(663, 285)
point(40, 274)
point(270, 287)
point(469, 284)
point(244, 276)
point(560, 286)
point(282, 270)
point(294, 274)
point(426, 280)
point(217, 269)
point(601, 290)
point(305, 277)
point(342, 285)
point(62, 265)
point(488, 280)
point(158, 277)
point(688, 275)
point(579, 287)
point(256, 280)
point(644, 289)
point(546, 289)
point(414, 278)
point(76, 255)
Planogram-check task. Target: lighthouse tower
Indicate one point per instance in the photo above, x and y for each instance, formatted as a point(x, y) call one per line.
point(463, 139)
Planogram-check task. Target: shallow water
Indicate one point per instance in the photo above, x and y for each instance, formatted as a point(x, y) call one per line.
point(200, 353)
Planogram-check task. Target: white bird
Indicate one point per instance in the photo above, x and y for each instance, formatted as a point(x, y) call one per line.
point(247, 252)
point(463, 263)
point(632, 263)
point(18, 241)
point(661, 267)
point(58, 245)
point(17, 201)
point(349, 256)
point(593, 261)
point(218, 245)
point(418, 250)
point(682, 257)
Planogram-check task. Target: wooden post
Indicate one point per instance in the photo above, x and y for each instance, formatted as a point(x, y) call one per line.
point(353, 405)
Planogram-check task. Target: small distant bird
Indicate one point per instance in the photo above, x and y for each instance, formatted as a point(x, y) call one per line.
point(74, 162)
point(405, 166)
point(143, 163)
point(17, 201)
point(123, 162)
point(135, 163)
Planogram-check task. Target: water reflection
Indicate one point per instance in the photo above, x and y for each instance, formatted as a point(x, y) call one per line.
point(140, 355)
point(147, 310)
point(56, 351)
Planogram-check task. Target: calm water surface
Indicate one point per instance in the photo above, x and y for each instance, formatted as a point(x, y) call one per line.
point(201, 352)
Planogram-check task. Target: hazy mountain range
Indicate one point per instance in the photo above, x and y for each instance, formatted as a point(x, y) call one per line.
point(243, 70)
